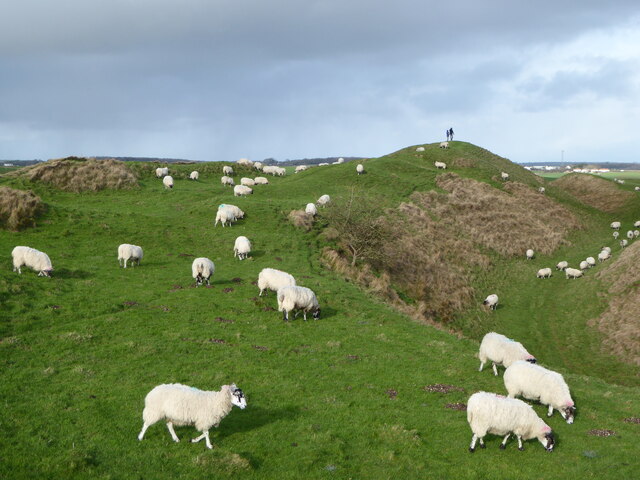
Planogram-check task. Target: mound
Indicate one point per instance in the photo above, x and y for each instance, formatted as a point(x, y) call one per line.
point(595, 192)
point(83, 175)
point(620, 323)
point(18, 208)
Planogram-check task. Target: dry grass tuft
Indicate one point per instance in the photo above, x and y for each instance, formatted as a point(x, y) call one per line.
point(595, 192)
point(301, 219)
point(18, 209)
point(83, 175)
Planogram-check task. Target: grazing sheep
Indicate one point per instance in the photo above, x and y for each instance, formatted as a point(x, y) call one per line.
point(501, 350)
point(584, 265)
point(420, 149)
point(562, 265)
point(491, 301)
point(615, 235)
point(168, 181)
point(491, 413)
point(534, 382)
point(541, 190)
point(300, 168)
point(359, 169)
point(606, 249)
point(242, 247)
point(245, 161)
point(630, 234)
point(34, 259)
point(224, 216)
point(591, 261)
point(624, 243)
point(270, 169)
point(444, 144)
point(530, 254)
point(324, 200)
point(292, 298)
point(504, 176)
point(441, 165)
point(272, 279)
point(161, 172)
point(227, 170)
point(340, 160)
point(636, 224)
point(311, 209)
point(573, 273)
point(615, 225)
point(182, 405)
point(544, 273)
point(233, 209)
point(128, 252)
point(261, 181)
point(241, 191)
point(258, 166)
point(604, 255)
point(247, 182)
point(637, 189)
point(227, 181)
point(636, 233)
point(194, 175)
point(324, 164)
point(280, 171)
point(201, 270)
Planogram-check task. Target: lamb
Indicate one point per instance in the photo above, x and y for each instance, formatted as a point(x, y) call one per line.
point(227, 170)
point(227, 181)
point(201, 270)
point(297, 298)
point(161, 172)
point(615, 225)
point(420, 149)
point(630, 234)
point(491, 413)
point(272, 279)
point(194, 175)
point(504, 176)
point(530, 254)
point(441, 165)
point(624, 243)
point(444, 144)
point(544, 273)
point(591, 261)
point(242, 191)
point(224, 216)
point(168, 181)
point(501, 350)
point(615, 235)
point(233, 209)
point(562, 265)
point(491, 301)
point(301, 168)
point(534, 382)
point(360, 169)
point(604, 255)
point(247, 182)
point(34, 259)
point(324, 200)
point(128, 252)
point(573, 272)
point(261, 181)
point(541, 190)
point(242, 247)
point(182, 405)
point(311, 209)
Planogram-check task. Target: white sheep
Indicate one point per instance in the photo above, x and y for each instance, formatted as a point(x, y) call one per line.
point(615, 235)
point(606, 249)
point(227, 170)
point(269, 169)
point(227, 181)
point(615, 225)
point(504, 176)
point(636, 224)
point(242, 247)
point(280, 171)
point(194, 175)
point(225, 217)
point(300, 168)
point(241, 191)
point(161, 172)
point(604, 255)
point(630, 234)
point(584, 265)
point(233, 209)
point(591, 261)
point(441, 165)
point(34, 259)
point(444, 144)
point(501, 350)
point(562, 265)
point(324, 164)
point(324, 200)
point(258, 166)
point(544, 273)
point(201, 270)
point(573, 272)
point(499, 415)
point(359, 169)
point(541, 190)
point(637, 189)
point(340, 160)
point(247, 182)
point(272, 279)
point(534, 382)
point(491, 301)
point(636, 233)
point(261, 181)
point(292, 298)
point(167, 181)
point(420, 149)
point(182, 405)
point(128, 252)
point(624, 242)
point(311, 209)
point(530, 254)
point(245, 161)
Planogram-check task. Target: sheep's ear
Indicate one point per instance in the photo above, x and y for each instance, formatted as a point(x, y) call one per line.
point(233, 387)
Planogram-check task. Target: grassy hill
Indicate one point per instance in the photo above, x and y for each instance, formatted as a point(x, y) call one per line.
point(356, 394)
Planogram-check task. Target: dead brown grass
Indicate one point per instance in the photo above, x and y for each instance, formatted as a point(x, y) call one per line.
point(301, 219)
point(18, 209)
point(620, 322)
point(595, 192)
point(83, 175)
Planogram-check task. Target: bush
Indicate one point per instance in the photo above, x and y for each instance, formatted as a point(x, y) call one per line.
point(18, 209)
point(595, 192)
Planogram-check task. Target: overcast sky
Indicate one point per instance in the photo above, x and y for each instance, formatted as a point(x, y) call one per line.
point(220, 80)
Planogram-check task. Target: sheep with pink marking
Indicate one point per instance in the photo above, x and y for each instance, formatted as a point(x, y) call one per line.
point(500, 350)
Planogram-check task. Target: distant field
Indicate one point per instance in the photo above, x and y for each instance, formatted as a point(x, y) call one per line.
point(626, 175)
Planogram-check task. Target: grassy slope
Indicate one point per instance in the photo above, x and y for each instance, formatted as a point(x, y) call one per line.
point(77, 362)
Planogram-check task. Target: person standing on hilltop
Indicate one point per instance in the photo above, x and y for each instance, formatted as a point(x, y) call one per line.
point(447, 135)
point(450, 134)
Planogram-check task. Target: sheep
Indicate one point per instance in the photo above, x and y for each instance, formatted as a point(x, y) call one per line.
point(182, 405)
point(615, 235)
point(258, 166)
point(562, 265)
point(572, 273)
point(242, 247)
point(128, 252)
point(227, 181)
point(630, 234)
point(624, 243)
point(280, 171)
point(636, 233)
point(534, 382)
point(34, 259)
point(161, 172)
point(501, 350)
point(272, 279)
point(359, 169)
point(584, 265)
point(615, 225)
point(194, 175)
point(544, 273)
point(201, 270)
point(168, 181)
point(606, 249)
point(324, 200)
point(636, 224)
point(241, 191)
point(227, 170)
point(504, 176)
point(541, 190)
point(245, 161)
point(530, 254)
point(591, 261)
point(444, 144)
point(441, 165)
point(270, 169)
point(324, 164)
point(311, 209)
point(604, 255)
point(224, 216)
point(491, 301)
point(420, 149)
point(292, 298)
point(300, 168)
point(233, 209)
point(261, 181)
point(637, 189)
point(491, 413)
point(247, 182)
point(340, 160)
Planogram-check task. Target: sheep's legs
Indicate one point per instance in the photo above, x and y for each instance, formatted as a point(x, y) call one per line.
point(142, 432)
point(495, 370)
point(172, 432)
point(520, 447)
point(550, 412)
point(472, 447)
point(503, 445)
point(481, 366)
point(205, 435)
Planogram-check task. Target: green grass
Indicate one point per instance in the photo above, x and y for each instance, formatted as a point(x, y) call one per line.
point(626, 175)
point(341, 397)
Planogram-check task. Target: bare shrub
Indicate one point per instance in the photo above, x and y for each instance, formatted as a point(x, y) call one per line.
point(301, 219)
point(18, 209)
point(77, 175)
point(595, 192)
